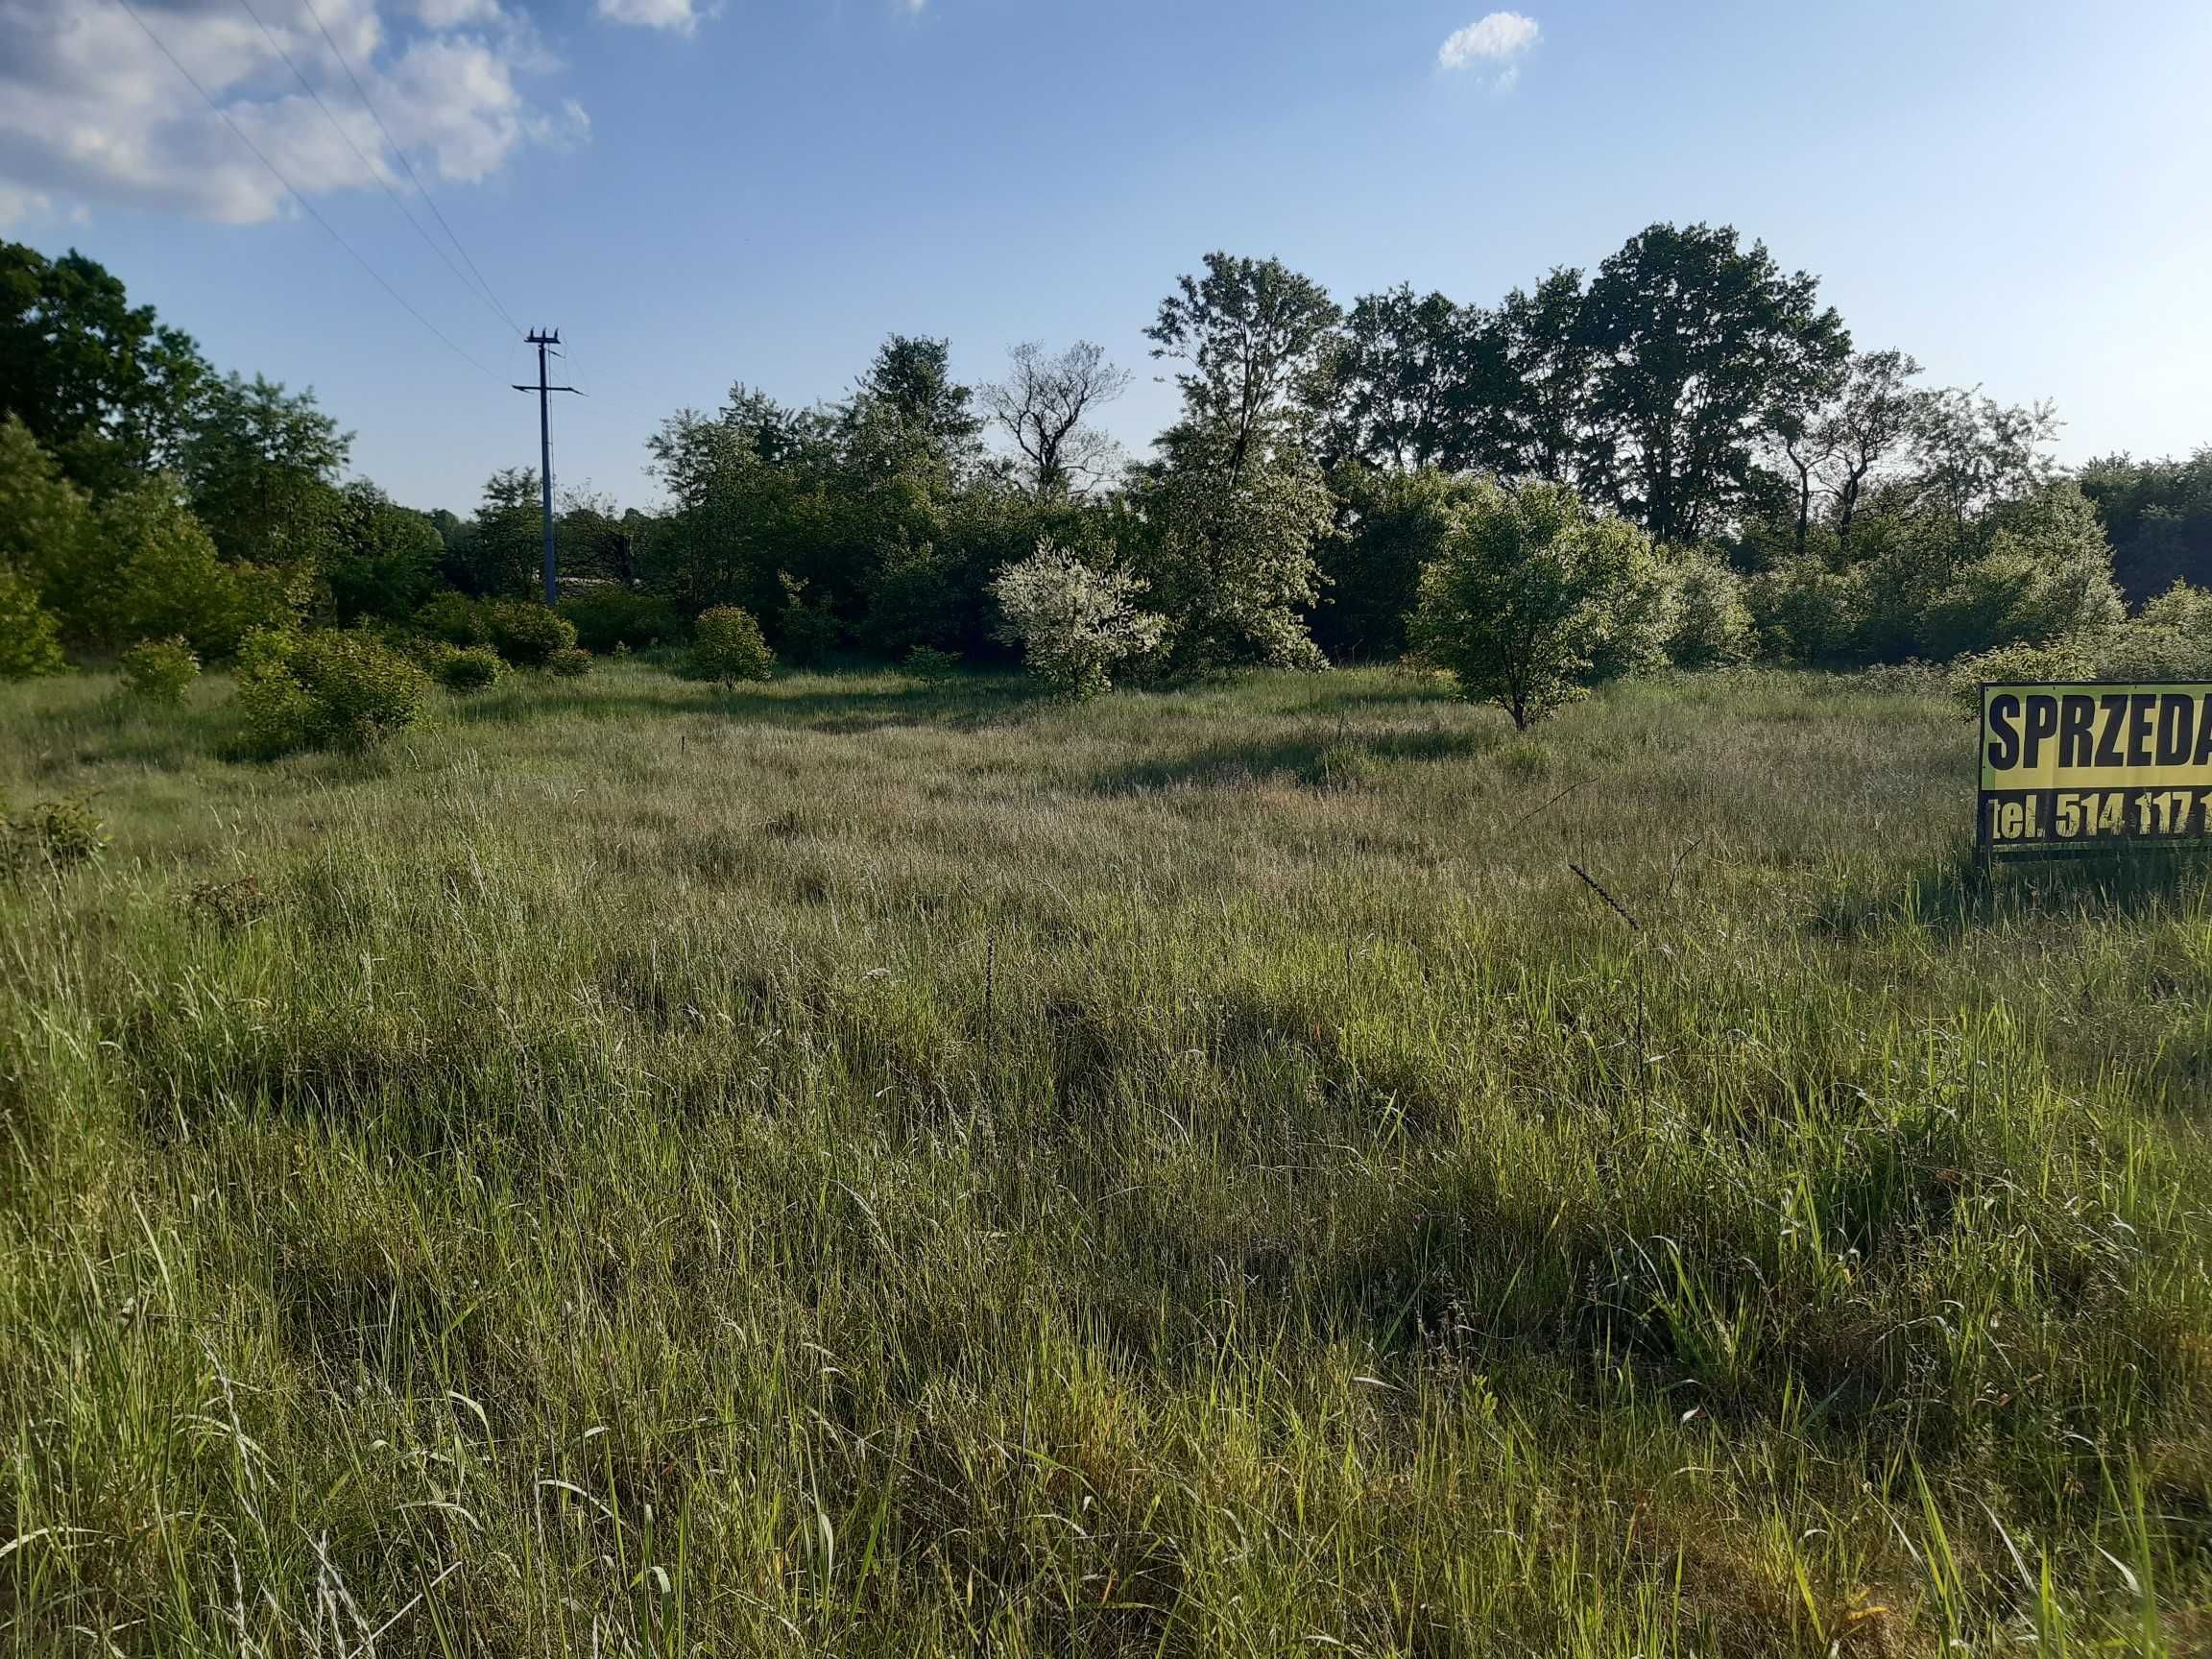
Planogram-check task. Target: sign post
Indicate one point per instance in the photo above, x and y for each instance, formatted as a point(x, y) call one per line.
point(2085, 766)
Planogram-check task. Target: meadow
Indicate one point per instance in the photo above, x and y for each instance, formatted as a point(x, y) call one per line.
point(876, 1167)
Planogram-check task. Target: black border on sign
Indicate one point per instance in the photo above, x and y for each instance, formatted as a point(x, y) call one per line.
point(1987, 848)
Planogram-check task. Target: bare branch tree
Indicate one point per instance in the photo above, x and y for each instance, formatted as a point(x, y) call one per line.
point(1042, 405)
point(1869, 425)
point(1806, 442)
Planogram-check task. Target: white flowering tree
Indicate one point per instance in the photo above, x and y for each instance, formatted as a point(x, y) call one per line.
point(1076, 624)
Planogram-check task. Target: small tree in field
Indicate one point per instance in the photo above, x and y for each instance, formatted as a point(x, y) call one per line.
point(727, 646)
point(1074, 624)
point(160, 670)
point(1534, 599)
point(30, 640)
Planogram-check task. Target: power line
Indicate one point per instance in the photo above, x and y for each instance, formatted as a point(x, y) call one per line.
point(276, 172)
point(399, 149)
point(483, 296)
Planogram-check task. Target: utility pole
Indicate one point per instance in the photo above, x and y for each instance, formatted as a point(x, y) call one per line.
point(541, 339)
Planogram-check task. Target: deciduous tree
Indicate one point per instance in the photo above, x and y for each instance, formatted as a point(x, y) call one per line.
point(1866, 432)
point(1235, 502)
point(1701, 348)
point(1044, 406)
point(261, 464)
point(1533, 599)
point(105, 385)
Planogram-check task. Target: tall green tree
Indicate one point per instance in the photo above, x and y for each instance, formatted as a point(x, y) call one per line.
point(104, 385)
point(1545, 364)
point(1227, 549)
point(1416, 381)
point(379, 560)
point(1971, 453)
point(1256, 341)
point(1235, 502)
point(1701, 349)
point(262, 466)
point(910, 385)
point(749, 494)
point(500, 552)
point(1866, 431)
point(2160, 517)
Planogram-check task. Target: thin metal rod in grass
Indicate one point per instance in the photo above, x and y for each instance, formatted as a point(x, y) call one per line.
point(1642, 1064)
point(1539, 810)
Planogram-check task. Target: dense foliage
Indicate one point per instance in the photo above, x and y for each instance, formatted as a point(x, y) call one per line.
point(1075, 625)
point(328, 690)
point(727, 646)
point(463, 668)
point(1804, 501)
point(1533, 599)
point(160, 670)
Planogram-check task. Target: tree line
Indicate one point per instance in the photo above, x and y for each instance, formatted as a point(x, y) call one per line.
point(1688, 416)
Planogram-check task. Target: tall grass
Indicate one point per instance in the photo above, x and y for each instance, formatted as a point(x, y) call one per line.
point(875, 1166)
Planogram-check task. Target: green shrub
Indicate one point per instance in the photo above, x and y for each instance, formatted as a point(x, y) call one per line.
point(2059, 660)
point(727, 646)
point(1533, 598)
point(328, 690)
point(160, 670)
point(30, 637)
point(2182, 607)
point(474, 668)
point(608, 616)
point(2149, 650)
point(45, 521)
point(2172, 640)
point(1076, 625)
point(54, 835)
point(928, 662)
point(572, 664)
point(1805, 612)
point(455, 618)
point(526, 633)
point(1710, 625)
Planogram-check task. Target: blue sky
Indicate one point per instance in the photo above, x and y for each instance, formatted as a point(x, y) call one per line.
point(2016, 192)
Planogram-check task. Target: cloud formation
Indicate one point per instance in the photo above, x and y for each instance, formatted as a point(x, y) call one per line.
point(92, 112)
point(1500, 39)
point(679, 17)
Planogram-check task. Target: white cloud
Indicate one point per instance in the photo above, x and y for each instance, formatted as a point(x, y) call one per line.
point(1499, 39)
point(92, 112)
point(453, 13)
point(679, 17)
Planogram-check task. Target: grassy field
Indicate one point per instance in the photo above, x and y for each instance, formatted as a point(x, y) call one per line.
point(866, 1168)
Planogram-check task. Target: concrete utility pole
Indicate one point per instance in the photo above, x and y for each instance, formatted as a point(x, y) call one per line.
point(541, 339)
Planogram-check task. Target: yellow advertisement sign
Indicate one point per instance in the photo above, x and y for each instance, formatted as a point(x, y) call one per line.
point(2080, 764)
